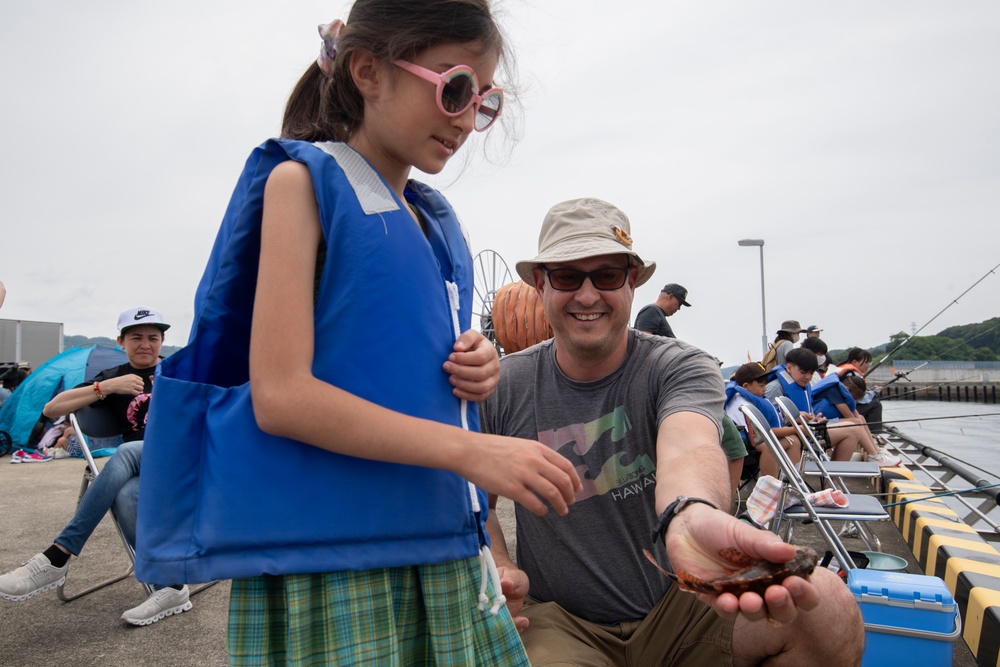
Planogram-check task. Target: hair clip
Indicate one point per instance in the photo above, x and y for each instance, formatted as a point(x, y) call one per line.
point(328, 52)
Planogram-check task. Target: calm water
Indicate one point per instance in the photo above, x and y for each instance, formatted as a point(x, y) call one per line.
point(972, 439)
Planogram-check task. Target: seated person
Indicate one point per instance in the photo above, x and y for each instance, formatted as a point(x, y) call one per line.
point(747, 386)
point(60, 440)
point(125, 391)
point(792, 380)
point(817, 346)
point(639, 416)
point(835, 399)
point(858, 361)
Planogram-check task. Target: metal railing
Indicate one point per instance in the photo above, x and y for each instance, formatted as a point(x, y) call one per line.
point(965, 489)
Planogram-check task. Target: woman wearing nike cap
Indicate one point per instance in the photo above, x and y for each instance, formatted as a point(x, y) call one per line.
point(124, 390)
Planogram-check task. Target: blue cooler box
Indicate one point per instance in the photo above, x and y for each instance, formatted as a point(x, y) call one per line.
point(910, 619)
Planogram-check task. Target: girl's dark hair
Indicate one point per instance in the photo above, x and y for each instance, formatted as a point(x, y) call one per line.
point(803, 358)
point(855, 384)
point(858, 354)
point(815, 345)
point(783, 335)
point(323, 108)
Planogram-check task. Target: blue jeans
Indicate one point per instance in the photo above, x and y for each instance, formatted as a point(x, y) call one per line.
point(117, 485)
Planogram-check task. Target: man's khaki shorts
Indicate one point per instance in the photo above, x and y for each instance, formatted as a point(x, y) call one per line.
point(679, 630)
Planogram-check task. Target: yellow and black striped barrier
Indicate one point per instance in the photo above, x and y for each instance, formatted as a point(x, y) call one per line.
point(946, 547)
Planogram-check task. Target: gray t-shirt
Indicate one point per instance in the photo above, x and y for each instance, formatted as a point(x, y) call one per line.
point(653, 320)
point(784, 347)
point(591, 561)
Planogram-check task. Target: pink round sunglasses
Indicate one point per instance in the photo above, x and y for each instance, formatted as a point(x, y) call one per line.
point(456, 92)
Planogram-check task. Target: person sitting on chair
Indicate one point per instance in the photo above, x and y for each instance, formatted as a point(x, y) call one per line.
point(792, 379)
point(836, 399)
point(639, 416)
point(124, 391)
point(747, 386)
point(858, 361)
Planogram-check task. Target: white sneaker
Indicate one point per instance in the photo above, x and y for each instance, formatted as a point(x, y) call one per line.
point(885, 459)
point(36, 576)
point(162, 603)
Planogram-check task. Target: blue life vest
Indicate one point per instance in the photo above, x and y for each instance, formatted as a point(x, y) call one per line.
point(827, 393)
point(765, 406)
point(390, 303)
point(801, 396)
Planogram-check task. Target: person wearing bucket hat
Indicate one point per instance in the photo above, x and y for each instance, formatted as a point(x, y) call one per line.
point(653, 318)
point(639, 416)
point(784, 341)
point(124, 391)
point(580, 229)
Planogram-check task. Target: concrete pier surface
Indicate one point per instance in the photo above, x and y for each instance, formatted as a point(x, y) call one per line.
point(36, 502)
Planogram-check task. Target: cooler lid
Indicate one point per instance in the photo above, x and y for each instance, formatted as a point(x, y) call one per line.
point(917, 591)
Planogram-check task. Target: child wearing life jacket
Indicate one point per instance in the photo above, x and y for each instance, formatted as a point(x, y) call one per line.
point(858, 361)
point(359, 345)
point(747, 386)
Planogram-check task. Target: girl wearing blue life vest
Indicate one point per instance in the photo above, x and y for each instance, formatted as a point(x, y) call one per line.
point(357, 347)
point(836, 399)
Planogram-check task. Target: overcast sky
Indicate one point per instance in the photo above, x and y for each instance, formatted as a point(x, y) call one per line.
point(860, 140)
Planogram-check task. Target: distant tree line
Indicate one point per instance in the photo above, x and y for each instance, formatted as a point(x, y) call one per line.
point(966, 342)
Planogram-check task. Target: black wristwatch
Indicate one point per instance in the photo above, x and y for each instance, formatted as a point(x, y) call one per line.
point(672, 510)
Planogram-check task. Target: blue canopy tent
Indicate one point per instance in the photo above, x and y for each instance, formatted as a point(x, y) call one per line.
point(22, 410)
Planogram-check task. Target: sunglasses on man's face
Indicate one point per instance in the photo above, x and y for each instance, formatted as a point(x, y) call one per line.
point(569, 280)
point(457, 91)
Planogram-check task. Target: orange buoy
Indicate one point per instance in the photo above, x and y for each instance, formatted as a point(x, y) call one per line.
point(518, 318)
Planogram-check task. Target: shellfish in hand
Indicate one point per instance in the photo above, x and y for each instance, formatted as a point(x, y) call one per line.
point(749, 575)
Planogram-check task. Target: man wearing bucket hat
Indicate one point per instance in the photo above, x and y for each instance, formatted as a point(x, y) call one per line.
point(639, 417)
point(124, 391)
point(653, 318)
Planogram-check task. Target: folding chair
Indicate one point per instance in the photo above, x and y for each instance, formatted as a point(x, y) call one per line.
point(89, 421)
point(95, 423)
point(833, 473)
point(860, 507)
point(818, 463)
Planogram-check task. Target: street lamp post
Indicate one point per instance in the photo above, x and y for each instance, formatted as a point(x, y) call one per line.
point(763, 310)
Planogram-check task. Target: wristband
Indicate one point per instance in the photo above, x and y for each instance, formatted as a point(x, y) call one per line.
point(97, 390)
point(673, 509)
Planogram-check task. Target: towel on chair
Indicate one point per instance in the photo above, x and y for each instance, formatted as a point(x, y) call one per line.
point(762, 504)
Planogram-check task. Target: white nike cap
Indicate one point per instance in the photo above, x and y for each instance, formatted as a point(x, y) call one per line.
point(134, 317)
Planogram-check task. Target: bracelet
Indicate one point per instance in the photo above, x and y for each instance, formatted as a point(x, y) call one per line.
point(97, 390)
point(673, 509)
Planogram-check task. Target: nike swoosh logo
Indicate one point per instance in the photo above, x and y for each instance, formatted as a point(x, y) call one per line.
point(142, 314)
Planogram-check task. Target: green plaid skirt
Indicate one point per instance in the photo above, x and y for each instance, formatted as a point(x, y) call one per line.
point(420, 615)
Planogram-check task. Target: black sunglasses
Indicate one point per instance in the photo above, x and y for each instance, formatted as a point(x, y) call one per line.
point(569, 280)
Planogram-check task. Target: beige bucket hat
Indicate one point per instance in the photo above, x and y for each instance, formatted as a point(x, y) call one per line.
point(582, 228)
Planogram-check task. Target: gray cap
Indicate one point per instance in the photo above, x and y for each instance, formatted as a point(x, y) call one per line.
point(678, 291)
point(582, 228)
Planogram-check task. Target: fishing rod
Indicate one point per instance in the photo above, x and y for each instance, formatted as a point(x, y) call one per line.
point(956, 492)
point(904, 375)
point(917, 419)
point(914, 334)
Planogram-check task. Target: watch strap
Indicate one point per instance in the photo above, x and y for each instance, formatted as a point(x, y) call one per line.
point(672, 510)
